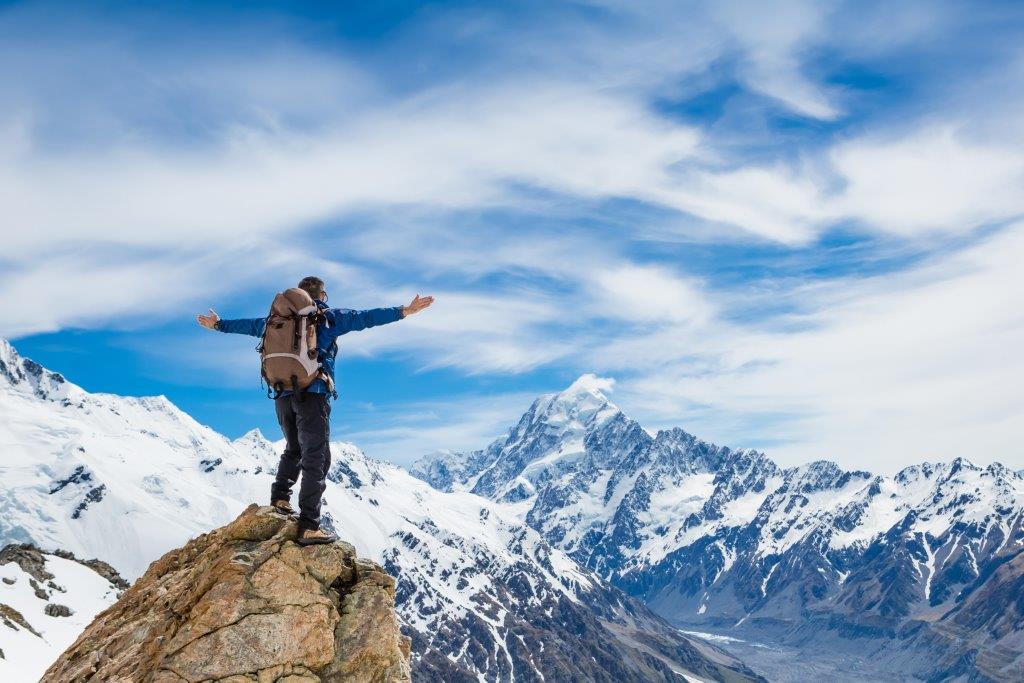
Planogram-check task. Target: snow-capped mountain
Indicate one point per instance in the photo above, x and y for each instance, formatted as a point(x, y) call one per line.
point(106, 476)
point(482, 594)
point(717, 539)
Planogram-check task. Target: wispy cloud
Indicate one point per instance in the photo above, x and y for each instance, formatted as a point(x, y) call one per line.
point(872, 371)
point(933, 180)
point(577, 186)
point(773, 39)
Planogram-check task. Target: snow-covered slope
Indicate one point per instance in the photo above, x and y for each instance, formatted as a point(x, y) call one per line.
point(126, 479)
point(45, 602)
point(102, 475)
point(719, 538)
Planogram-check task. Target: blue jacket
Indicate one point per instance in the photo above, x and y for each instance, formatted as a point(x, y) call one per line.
point(337, 321)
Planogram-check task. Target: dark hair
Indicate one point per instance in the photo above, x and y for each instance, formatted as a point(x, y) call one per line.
point(312, 285)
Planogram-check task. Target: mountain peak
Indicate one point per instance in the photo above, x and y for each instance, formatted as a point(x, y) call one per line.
point(6, 349)
point(253, 436)
point(26, 375)
point(583, 400)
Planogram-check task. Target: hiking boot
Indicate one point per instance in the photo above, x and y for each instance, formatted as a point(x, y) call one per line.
point(315, 537)
point(284, 507)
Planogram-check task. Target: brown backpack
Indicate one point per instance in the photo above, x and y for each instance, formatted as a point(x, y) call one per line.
point(288, 351)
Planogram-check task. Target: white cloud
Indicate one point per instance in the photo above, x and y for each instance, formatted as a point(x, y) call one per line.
point(882, 372)
point(773, 36)
point(935, 180)
point(932, 180)
point(474, 332)
point(62, 292)
point(457, 149)
point(453, 150)
point(775, 203)
point(647, 293)
point(190, 184)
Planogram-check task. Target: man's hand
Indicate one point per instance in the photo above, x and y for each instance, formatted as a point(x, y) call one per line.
point(417, 305)
point(209, 321)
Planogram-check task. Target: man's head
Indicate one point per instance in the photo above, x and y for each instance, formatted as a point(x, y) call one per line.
point(313, 286)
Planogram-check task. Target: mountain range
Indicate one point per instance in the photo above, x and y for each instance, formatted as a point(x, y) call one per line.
point(916, 575)
point(579, 544)
point(482, 594)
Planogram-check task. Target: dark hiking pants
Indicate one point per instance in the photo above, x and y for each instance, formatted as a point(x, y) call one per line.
point(305, 421)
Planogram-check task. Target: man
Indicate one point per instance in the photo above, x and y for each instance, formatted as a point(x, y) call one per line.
point(305, 418)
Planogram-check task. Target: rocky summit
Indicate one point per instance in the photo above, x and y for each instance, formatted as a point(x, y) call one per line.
point(246, 603)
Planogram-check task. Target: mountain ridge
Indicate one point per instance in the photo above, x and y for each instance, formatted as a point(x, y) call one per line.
point(482, 595)
point(716, 538)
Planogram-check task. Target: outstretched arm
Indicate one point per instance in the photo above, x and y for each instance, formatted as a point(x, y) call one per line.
point(352, 321)
point(417, 304)
point(250, 326)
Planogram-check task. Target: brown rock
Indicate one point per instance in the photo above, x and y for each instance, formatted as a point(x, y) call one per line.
point(12, 618)
point(245, 604)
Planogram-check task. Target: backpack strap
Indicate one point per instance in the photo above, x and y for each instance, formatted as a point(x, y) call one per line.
point(297, 333)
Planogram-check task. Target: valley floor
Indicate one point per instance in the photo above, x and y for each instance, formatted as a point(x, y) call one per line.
point(786, 664)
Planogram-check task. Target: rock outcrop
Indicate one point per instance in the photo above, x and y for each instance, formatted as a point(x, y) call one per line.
point(246, 603)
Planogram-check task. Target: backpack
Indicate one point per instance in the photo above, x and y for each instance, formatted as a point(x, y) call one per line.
point(288, 350)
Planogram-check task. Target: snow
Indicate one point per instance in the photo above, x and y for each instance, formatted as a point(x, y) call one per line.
point(668, 511)
point(125, 480)
point(742, 510)
point(966, 496)
point(673, 491)
point(767, 578)
point(568, 416)
point(87, 593)
point(712, 636)
point(788, 524)
point(566, 453)
point(929, 565)
point(106, 436)
point(880, 513)
point(684, 498)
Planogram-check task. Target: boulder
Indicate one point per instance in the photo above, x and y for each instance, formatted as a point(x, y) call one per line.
point(246, 603)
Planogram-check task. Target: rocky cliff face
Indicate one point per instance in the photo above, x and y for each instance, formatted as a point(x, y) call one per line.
point(246, 603)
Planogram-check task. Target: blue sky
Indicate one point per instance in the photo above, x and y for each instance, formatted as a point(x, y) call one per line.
point(793, 226)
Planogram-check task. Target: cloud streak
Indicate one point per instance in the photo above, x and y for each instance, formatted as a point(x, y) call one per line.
point(582, 190)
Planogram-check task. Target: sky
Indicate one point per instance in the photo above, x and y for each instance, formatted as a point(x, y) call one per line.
point(792, 226)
